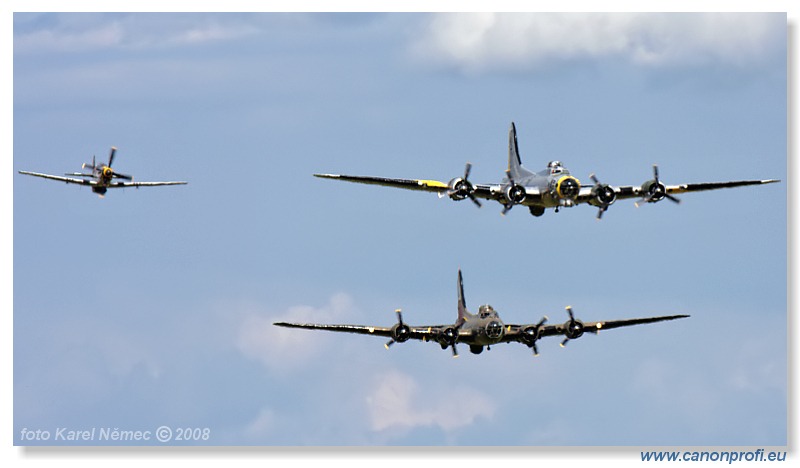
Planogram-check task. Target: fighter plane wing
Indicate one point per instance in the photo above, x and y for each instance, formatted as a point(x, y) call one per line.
point(143, 184)
point(92, 182)
point(69, 180)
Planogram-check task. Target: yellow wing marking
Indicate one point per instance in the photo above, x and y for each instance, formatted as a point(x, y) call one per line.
point(432, 183)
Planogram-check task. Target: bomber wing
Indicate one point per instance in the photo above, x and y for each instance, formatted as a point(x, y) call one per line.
point(410, 184)
point(572, 328)
point(424, 333)
point(651, 191)
point(594, 327)
point(628, 191)
point(716, 185)
point(485, 191)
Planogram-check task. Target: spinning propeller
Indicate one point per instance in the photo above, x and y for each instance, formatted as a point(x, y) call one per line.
point(515, 193)
point(531, 333)
point(604, 194)
point(573, 328)
point(400, 332)
point(462, 188)
point(655, 191)
point(448, 337)
point(105, 169)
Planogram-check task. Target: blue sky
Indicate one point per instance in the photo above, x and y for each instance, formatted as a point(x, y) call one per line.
point(154, 306)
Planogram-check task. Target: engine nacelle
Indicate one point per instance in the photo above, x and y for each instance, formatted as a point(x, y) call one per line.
point(530, 335)
point(460, 188)
point(654, 191)
point(447, 337)
point(515, 193)
point(565, 188)
point(573, 329)
point(603, 195)
point(401, 333)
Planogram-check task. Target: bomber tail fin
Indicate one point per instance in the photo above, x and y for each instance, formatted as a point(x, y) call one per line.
point(514, 162)
point(463, 314)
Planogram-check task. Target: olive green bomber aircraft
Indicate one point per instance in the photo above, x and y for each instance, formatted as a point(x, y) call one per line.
point(101, 178)
point(553, 187)
point(482, 329)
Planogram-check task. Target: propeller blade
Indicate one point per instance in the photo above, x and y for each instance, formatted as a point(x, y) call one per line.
point(122, 176)
point(564, 343)
point(569, 311)
point(389, 343)
point(474, 200)
point(467, 169)
point(111, 155)
point(455, 351)
point(652, 196)
point(535, 350)
point(399, 313)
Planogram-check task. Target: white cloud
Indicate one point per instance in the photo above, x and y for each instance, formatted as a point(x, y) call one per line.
point(281, 348)
point(86, 32)
point(485, 41)
point(101, 36)
point(395, 403)
point(263, 425)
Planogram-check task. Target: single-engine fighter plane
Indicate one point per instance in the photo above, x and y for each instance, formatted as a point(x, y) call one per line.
point(101, 178)
point(554, 187)
point(482, 329)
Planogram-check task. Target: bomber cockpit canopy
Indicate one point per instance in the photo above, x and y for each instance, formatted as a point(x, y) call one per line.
point(486, 311)
point(555, 167)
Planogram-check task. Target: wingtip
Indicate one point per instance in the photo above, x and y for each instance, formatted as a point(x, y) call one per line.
point(327, 176)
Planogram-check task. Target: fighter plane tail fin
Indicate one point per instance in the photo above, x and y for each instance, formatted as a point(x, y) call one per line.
point(514, 162)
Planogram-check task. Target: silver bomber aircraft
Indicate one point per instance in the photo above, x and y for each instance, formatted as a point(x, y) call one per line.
point(553, 187)
point(101, 178)
point(482, 329)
